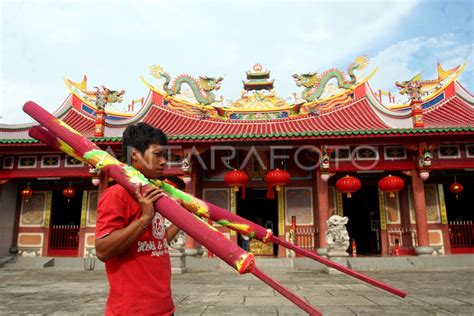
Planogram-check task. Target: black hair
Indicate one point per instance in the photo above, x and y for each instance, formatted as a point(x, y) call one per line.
point(140, 136)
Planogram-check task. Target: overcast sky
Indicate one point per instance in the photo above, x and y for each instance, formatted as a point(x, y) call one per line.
point(115, 42)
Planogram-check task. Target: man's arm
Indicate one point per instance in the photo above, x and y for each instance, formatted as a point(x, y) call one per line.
point(120, 240)
point(171, 232)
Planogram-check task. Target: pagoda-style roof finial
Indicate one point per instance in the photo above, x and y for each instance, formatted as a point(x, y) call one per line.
point(258, 79)
point(257, 67)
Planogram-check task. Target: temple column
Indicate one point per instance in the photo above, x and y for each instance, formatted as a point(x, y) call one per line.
point(406, 241)
point(323, 211)
point(190, 245)
point(420, 214)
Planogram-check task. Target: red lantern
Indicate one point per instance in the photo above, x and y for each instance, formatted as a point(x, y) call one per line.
point(69, 193)
point(391, 184)
point(27, 193)
point(236, 179)
point(276, 178)
point(456, 188)
point(348, 184)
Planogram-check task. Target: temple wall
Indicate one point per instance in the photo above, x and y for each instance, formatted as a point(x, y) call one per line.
point(401, 220)
point(8, 194)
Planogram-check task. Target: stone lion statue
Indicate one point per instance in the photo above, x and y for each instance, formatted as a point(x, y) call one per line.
point(337, 237)
point(179, 240)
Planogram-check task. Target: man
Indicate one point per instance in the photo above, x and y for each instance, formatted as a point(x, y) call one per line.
point(245, 242)
point(131, 237)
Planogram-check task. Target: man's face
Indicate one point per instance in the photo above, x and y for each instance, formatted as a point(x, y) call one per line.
point(152, 163)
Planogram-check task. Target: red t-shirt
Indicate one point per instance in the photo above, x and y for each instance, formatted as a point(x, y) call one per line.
point(140, 277)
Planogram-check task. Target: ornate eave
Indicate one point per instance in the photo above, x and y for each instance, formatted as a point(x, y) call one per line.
point(81, 103)
point(354, 113)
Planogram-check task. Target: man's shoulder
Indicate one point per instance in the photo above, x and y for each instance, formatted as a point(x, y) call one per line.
point(117, 190)
point(116, 194)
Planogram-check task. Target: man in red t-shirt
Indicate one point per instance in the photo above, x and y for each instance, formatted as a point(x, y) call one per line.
point(131, 237)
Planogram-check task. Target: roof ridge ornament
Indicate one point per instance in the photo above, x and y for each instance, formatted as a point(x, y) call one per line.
point(201, 88)
point(417, 87)
point(101, 96)
point(315, 85)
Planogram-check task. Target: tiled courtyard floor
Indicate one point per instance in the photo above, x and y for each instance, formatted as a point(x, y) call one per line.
point(224, 292)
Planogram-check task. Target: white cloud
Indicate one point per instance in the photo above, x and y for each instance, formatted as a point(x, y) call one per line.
point(15, 94)
point(401, 61)
point(73, 38)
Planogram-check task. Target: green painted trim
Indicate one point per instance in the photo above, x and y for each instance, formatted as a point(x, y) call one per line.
point(277, 134)
point(18, 141)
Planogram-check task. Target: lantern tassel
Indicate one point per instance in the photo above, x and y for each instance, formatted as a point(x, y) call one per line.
point(270, 193)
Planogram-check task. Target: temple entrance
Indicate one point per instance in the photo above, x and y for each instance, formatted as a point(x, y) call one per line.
point(460, 218)
point(362, 209)
point(262, 211)
point(459, 208)
point(65, 224)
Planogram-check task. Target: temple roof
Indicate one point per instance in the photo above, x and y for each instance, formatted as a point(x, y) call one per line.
point(356, 112)
point(363, 117)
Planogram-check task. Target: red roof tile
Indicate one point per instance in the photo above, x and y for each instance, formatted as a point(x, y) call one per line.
point(452, 112)
point(356, 116)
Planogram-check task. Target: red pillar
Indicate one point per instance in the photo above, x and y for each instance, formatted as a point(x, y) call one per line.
point(417, 113)
point(190, 245)
point(420, 214)
point(323, 208)
point(405, 219)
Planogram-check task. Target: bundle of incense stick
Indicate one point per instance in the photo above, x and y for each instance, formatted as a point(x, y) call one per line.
point(59, 135)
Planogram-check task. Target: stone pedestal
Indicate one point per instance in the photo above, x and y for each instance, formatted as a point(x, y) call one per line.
point(191, 251)
point(340, 259)
point(424, 251)
point(178, 261)
point(322, 252)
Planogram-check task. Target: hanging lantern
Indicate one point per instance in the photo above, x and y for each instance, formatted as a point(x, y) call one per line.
point(391, 184)
point(456, 188)
point(424, 174)
point(27, 193)
point(186, 179)
point(69, 193)
point(186, 168)
point(276, 178)
point(348, 184)
point(95, 181)
point(95, 176)
point(236, 179)
point(324, 164)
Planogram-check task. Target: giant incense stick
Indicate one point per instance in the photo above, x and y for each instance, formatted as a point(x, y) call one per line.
point(223, 217)
point(61, 136)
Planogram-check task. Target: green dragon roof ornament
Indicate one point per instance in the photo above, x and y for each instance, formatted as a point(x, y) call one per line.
point(314, 84)
point(202, 89)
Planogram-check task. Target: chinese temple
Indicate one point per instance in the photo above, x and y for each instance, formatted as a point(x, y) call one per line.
point(398, 166)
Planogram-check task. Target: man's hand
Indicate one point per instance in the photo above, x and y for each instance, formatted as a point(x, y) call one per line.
point(147, 201)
